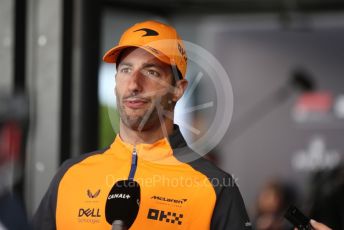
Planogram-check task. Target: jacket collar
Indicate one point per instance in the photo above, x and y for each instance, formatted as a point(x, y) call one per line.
point(158, 150)
point(176, 139)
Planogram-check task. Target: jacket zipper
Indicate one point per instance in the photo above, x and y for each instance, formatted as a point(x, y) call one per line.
point(133, 164)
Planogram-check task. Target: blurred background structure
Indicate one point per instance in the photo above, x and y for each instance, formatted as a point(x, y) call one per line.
point(285, 60)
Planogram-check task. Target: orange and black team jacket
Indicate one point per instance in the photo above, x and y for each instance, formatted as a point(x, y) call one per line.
point(179, 189)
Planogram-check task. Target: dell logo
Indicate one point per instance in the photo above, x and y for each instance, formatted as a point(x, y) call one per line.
point(94, 212)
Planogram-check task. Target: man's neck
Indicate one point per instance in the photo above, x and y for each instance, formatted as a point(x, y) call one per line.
point(150, 136)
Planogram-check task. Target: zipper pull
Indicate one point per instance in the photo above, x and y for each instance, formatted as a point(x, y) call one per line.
point(134, 150)
point(133, 164)
point(134, 157)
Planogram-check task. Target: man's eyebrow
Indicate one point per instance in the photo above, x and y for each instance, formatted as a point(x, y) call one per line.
point(125, 63)
point(145, 65)
point(148, 65)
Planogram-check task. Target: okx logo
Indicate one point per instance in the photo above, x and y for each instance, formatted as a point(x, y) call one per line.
point(168, 217)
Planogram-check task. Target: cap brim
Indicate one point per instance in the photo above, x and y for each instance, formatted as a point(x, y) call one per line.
point(112, 55)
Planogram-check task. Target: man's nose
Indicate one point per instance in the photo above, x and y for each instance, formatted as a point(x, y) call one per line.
point(135, 82)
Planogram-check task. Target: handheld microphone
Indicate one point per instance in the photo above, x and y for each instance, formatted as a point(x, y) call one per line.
point(298, 219)
point(122, 205)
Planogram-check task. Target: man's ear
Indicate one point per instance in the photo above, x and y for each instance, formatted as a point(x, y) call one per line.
point(179, 89)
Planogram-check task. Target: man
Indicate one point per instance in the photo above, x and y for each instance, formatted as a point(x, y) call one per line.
point(175, 193)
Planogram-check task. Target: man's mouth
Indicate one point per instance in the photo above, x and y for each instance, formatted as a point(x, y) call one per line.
point(135, 103)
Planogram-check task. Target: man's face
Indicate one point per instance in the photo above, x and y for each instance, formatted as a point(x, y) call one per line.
point(143, 90)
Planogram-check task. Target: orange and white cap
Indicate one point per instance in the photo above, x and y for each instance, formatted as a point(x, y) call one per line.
point(159, 39)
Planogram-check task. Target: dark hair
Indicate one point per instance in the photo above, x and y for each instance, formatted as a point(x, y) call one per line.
point(176, 75)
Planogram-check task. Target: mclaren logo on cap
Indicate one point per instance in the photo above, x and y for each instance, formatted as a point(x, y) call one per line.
point(149, 32)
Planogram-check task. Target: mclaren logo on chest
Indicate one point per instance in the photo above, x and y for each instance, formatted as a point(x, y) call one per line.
point(170, 200)
point(119, 196)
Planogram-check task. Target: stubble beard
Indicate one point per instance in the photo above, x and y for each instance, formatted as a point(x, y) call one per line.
point(149, 120)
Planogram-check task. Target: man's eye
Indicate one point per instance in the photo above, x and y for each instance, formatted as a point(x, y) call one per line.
point(125, 70)
point(153, 73)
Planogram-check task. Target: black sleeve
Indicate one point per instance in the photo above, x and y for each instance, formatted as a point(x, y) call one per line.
point(44, 217)
point(230, 212)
